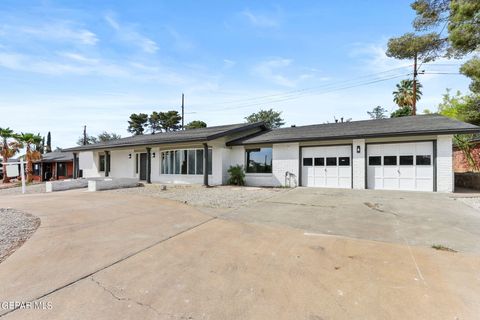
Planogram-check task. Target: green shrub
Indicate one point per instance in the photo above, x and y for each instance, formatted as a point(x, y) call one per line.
point(237, 175)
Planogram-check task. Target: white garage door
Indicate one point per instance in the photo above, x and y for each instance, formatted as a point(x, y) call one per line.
point(400, 166)
point(327, 167)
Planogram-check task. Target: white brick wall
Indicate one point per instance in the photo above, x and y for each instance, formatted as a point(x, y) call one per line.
point(444, 164)
point(358, 163)
point(285, 158)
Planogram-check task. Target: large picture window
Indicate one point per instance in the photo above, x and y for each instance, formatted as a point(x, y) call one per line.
point(184, 161)
point(259, 160)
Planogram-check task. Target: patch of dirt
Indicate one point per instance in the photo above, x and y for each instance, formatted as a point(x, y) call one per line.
point(15, 228)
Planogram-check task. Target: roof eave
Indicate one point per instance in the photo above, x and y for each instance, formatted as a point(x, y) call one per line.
point(385, 135)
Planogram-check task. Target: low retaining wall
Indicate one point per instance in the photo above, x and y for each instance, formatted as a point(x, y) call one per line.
point(63, 185)
point(470, 180)
point(110, 184)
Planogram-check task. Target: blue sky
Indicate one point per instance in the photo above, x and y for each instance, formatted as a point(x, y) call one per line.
point(65, 64)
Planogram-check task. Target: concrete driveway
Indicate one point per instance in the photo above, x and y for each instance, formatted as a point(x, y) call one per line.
point(107, 256)
point(412, 218)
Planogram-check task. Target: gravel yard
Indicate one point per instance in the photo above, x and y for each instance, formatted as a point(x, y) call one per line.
point(15, 228)
point(32, 188)
point(213, 197)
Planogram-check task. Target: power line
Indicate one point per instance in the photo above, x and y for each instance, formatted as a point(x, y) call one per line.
point(301, 94)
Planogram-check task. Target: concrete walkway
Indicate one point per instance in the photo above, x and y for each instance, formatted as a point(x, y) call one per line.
point(104, 256)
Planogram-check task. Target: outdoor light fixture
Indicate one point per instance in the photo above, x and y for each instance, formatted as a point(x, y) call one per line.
point(129, 156)
point(153, 155)
point(358, 149)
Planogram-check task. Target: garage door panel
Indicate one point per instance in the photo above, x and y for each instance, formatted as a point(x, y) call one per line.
point(329, 172)
point(405, 172)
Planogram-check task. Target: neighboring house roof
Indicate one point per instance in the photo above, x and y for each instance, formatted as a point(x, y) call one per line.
point(190, 135)
point(57, 156)
point(402, 126)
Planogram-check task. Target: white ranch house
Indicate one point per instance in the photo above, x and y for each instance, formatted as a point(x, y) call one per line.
point(407, 153)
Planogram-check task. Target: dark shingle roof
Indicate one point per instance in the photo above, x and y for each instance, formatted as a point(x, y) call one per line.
point(403, 126)
point(192, 135)
point(57, 156)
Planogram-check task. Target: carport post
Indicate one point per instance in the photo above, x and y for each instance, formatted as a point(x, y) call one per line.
point(205, 165)
point(149, 165)
point(75, 166)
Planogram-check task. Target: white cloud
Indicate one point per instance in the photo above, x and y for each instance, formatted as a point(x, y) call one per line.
point(55, 31)
point(260, 20)
point(275, 70)
point(127, 34)
point(227, 63)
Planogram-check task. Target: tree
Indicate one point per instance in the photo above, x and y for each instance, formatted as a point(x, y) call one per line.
point(377, 113)
point(403, 96)
point(108, 136)
point(471, 69)
point(30, 141)
point(137, 123)
point(170, 120)
point(463, 20)
point(89, 140)
point(42, 146)
point(465, 108)
point(271, 118)
point(49, 143)
point(402, 112)
point(196, 124)
point(423, 48)
point(154, 122)
point(102, 137)
point(8, 148)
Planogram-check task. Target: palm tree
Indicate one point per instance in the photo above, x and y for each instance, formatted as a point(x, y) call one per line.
point(30, 142)
point(403, 96)
point(7, 149)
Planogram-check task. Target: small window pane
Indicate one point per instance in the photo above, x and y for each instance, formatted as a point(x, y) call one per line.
point(331, 161)
point(177, 161)
point(344, 161)
point(191, 161)
point(424, 160)
point(307, 162)
point(374, 161)
point(319, 161)
point(210, 161)
point(390, 160)
point(406, 160)
point(199, 161)
point(184, 162)
point(170, 162)
point(101, 163)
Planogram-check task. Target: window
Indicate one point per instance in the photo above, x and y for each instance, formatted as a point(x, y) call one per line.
point(307, 162)
point(424, 160)
point(259, 160)
point(101, 163)
point(36, 169)
point(184, 161)
point(319, 161)
point(374, 161)
point(344, 161)
point(191, 161)
point(406, 160)
point(199, 161)
point(331, 161)
point(390, 160)
point(210, 161)
point(136, 162)
point(61, 169)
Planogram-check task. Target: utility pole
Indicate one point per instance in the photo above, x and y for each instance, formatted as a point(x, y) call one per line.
point(414, 102)
point(183, 111)
point(84, 135)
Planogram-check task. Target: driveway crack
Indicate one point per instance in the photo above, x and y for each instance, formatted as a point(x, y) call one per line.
point(143, 305)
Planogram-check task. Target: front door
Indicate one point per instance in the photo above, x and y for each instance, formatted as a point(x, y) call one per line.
point(143, 166)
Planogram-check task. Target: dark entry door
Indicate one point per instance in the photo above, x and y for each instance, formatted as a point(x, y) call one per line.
point(143, 166)
point(47, 171)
